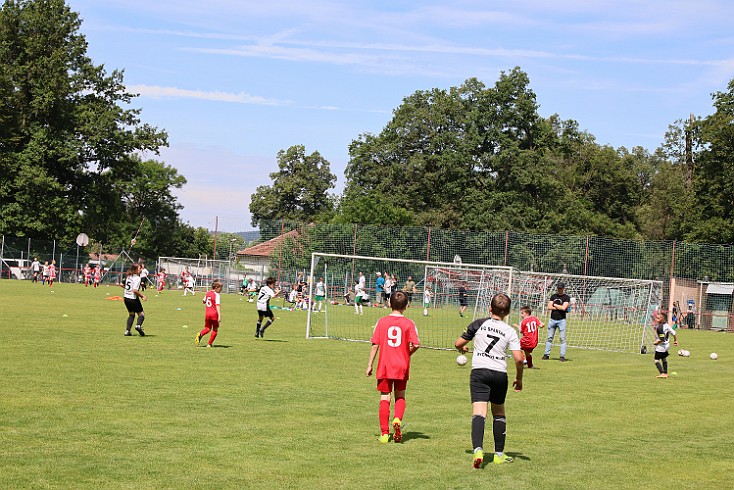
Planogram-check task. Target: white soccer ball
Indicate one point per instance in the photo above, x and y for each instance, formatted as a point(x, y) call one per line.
point(461, 360)
point(686, 353)
point(714, 356)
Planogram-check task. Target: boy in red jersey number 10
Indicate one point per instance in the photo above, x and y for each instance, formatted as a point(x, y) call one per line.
point(529, 330)
point(488, 381)
point(396, 339)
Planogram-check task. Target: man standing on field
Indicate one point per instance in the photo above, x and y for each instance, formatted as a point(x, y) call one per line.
point(396, 339)
point(558, 306)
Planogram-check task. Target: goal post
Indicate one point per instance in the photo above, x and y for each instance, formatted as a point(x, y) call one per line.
point(606, 313)
point(438, 328)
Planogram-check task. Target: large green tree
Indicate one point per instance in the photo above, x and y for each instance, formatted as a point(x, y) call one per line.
point(66, 129)
point(299, 191)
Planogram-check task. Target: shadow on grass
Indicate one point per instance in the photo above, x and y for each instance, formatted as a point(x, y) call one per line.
point(407, 436)
point(272, 340)
point(218, 346)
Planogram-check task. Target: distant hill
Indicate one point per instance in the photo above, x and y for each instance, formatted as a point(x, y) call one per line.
point(249, 236)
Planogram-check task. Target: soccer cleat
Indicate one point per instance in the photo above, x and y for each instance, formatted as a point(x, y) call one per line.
point(545, 357)
point(139, 329)
point(384, 438)
point(663, 375)
point(198, 338)
point(397, 427)
point(502, 458)
point(478, 458)
point(128, 333)
point(208, 346)
point(562, 359)
point(257, 333)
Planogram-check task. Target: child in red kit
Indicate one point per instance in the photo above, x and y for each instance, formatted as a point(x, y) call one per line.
point(396, 338)
point(529, 331)
point(213, 314)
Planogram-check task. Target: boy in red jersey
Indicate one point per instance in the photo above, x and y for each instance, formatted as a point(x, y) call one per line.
point(529, 330)
point(396, 338)
point(97, 275)
point(52, 273)
point(87, 275)
point(213, 314)
point(161, 279)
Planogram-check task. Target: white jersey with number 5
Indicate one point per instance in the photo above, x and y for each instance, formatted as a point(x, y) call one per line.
point(132, 284)
point(492, 339)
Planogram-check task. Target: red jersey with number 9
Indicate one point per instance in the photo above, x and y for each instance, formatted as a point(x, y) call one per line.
point(394, 334)
point(211, 300)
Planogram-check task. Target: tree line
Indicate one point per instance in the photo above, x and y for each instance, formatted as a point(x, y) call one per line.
point(75, 156)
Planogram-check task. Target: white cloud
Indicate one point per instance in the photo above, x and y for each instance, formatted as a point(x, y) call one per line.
point(155, 91)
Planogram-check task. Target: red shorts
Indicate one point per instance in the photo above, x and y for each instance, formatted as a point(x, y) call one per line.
point(386, 385)
point(212, 323)
point(528, 347)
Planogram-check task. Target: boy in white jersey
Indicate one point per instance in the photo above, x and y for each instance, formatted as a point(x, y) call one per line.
point(426, 299)
point(662, 343)
point(132, 298)
point(492, 338)
point(320, 294)
point(263, 306)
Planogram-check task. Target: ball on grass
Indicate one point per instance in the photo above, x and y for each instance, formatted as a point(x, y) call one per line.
point(461, 360)
point(714, 356)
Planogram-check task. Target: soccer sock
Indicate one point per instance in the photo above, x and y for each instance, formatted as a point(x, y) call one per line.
point(130, 320)
point(665, 366)
point(499, 428)
point(659, 366)
point(477, 431)
point(258, 326)
point(212, 337)
point(384, 416)
point(529, 358)
point(204, 331)
point(270, 322)
point(141, 319)
point(400, 407)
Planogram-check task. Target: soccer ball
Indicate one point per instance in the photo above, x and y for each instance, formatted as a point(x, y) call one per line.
point(250, 300)
point(714, 356)
point(461, 360)
point(686, 353)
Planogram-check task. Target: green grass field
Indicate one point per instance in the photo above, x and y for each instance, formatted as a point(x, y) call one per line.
point(84, 407)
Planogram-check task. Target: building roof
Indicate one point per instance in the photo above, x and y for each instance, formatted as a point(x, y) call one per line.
point(266, 249)
point(105, 257)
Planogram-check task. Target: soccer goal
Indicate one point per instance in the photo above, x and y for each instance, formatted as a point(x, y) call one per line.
point(204, 272)
point(439, 324)
point(605, 313)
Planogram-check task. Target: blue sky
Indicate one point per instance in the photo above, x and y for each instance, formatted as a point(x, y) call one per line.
point(233, 82)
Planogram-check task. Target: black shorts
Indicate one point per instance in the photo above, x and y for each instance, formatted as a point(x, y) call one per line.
point(488, 386)
point(265, 314)
point(661, 355)
point(463, 302)
point(133, 305)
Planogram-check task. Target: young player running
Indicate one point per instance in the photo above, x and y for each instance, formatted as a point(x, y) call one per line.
point(529, 330)
point(87, 275)
point(492, 337)
point(161, 279)
point(263, 306)
point(52, 273)
point(132, 299)
point(396, 339)
point(97, 275)
point(213, 314)
point(662, 343)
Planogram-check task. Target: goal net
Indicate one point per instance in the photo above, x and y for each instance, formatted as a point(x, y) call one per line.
point(203, 270)
point(439, 283)
point(605, 313)
point(611, 314)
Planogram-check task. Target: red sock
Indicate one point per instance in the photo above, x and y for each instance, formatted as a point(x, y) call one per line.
point(204, 331)
point(213, 336)
point(384, 416)
point(400, 408)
